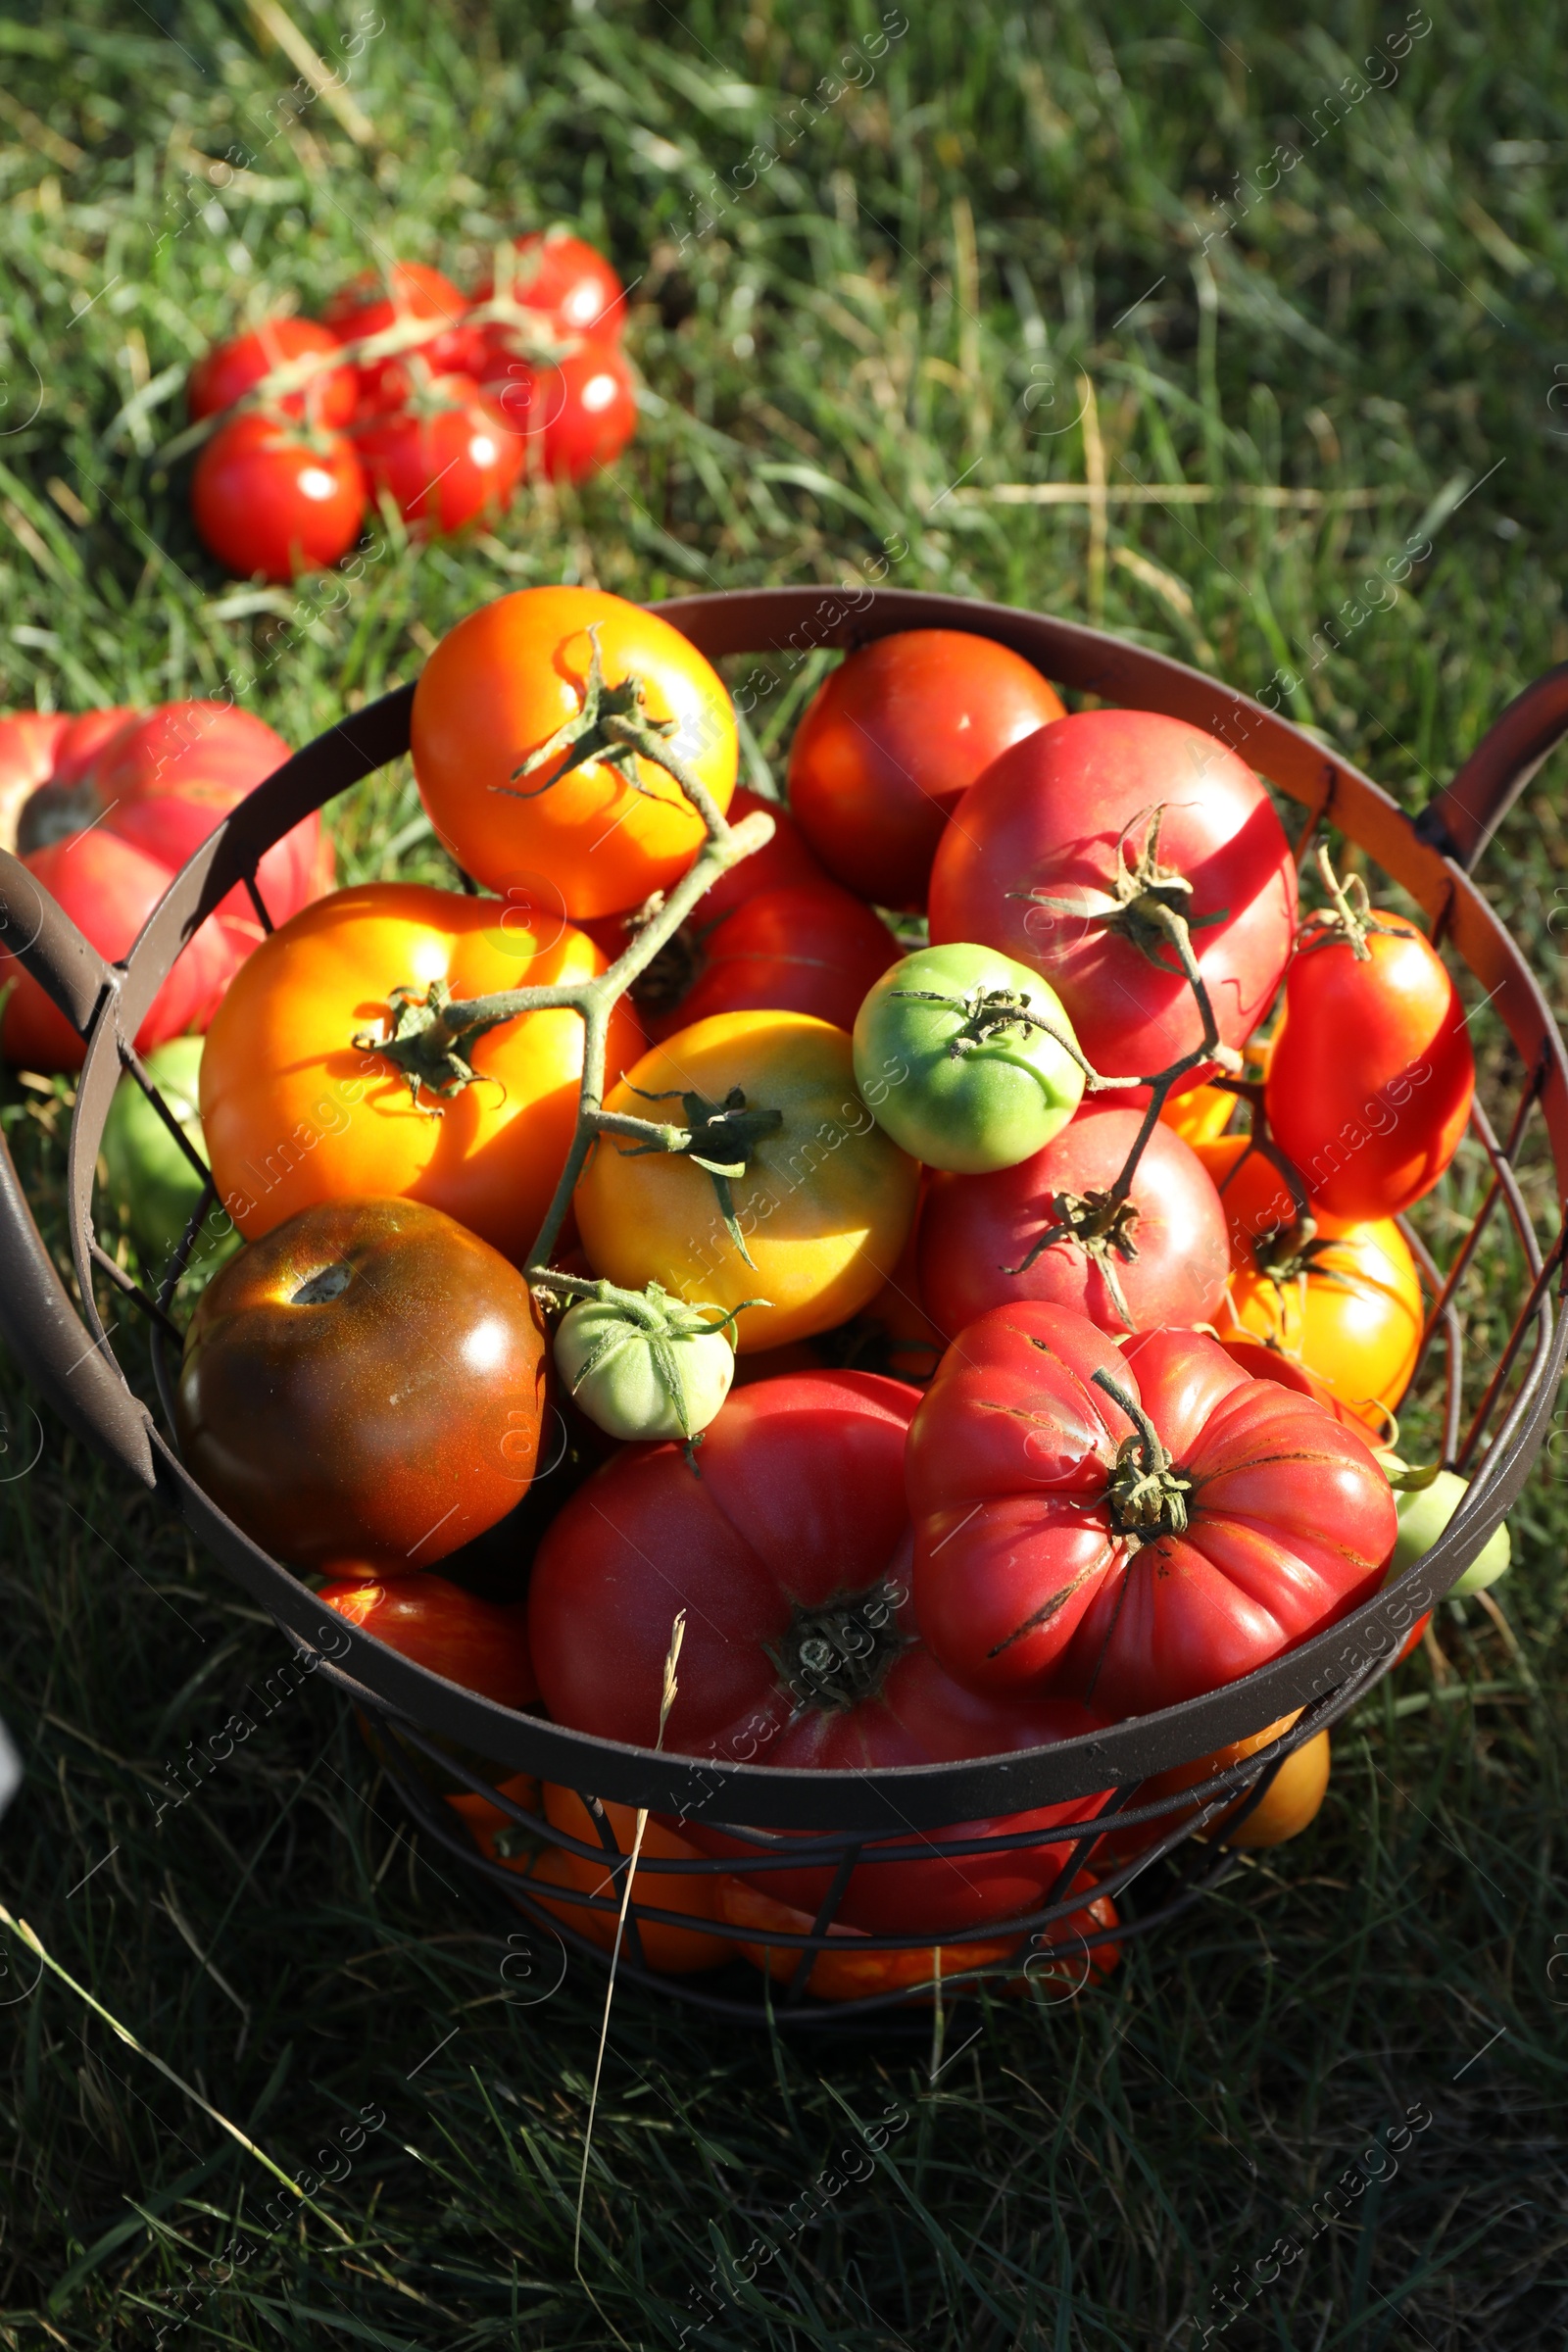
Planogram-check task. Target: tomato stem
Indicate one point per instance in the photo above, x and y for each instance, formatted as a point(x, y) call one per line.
point(1147, 1497)
point(1348, 917)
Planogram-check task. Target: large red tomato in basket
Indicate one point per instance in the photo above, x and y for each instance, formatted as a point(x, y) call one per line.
point(1129, 1527)
point(110, 815)
point(1068, 850)
point(790, 1555)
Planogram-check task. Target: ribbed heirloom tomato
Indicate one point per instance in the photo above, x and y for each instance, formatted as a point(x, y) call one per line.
point(295, 1110)
point(1131, 1527)
point(515, 682)
point(1159, 1257)
point(816, 1204)
point(1077, 845)
point(790, 1555)
point(1344, 1300)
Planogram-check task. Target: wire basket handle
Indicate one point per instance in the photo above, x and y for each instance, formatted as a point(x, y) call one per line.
point(38, 1318)
point(1461, 819)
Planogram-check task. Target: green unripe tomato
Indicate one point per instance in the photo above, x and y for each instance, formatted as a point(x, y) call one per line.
point(148, 1176)
point(644, 1365)
point(1423, 1516)
point(955, 1057)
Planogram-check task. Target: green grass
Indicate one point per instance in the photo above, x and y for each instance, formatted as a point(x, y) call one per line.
point(899, 317)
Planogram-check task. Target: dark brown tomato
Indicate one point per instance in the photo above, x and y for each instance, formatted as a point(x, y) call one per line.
point(893, 740)
point(362, 1388)
point(976, 1231)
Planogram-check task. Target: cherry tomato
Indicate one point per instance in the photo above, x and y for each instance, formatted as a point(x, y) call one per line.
point(407, 290)
point(1103, 808)
point(575, 414)
point(272, 500)
point(501, 684)
point(813, 949)
point(789, 1553)
point(295, 1112)
point(473, 1642)
point(1066, 1546)
point(892, 740)
point(1372, 1076)
point(134, 796)
point(231, 369)
point(364, 1387)
point(1166, 1255)
point(823, 1208)
point(562, 280)
point(444, 460)
point(1344, 1300)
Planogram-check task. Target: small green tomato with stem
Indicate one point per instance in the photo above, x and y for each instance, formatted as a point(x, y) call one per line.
point(966, 1058)
point(643, 1365)
point(1425, 1507)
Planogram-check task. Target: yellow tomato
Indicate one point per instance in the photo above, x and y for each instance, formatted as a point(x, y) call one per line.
point(1293, 1799)
point(824, 1206)
point(1200, 1115)
point(1351, 1313)
point(294, 1112)
point(588, 840)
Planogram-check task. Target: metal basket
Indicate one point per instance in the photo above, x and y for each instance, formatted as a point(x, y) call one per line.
point(842, 1819)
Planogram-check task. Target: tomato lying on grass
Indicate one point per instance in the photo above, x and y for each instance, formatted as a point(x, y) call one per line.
point(1131, 1527)
point(562, 282)
point(360, 1390)
point(231, 369)
point(271, 499)
point(446, 460)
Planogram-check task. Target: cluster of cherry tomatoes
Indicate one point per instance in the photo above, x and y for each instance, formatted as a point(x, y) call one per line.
point(409, 390)
point(906, 1276)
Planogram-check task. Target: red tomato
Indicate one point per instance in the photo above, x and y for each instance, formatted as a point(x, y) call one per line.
point(1064, 1548)
point(407, 290)
point(787, 1553)
point(813, 949)
point(976, 1230)
point(892, 740)
point(446, 460)
point(272, 500)
point(1371, 1079)
point(134, 796)
point(231, 369)
point(575, 415)
point(783, 863)
point(477, 1644)
point(570, 288)
point(1066, 816)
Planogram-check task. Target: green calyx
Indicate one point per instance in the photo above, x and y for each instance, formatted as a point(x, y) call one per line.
point(1148, 1499)
point(837, 1655)
point(1149, 900)
point(718, 1138)
point(1102, 1225)
point(1348, 917)
point(426, 1036)
point(988, 1015)
point(613, 727)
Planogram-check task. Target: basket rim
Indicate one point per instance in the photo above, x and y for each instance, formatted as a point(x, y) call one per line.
point(1355, 1649)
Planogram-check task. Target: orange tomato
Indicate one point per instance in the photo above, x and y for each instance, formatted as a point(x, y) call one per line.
point(1122, 1844)
point(485, 1820)
point(1351, 1313)
point(295, 1112)
point(669, 1950)
point(825, 1205)
point(1201, 1116)
point(499, 687)
point(1293, 1799)
point(846, 1970)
